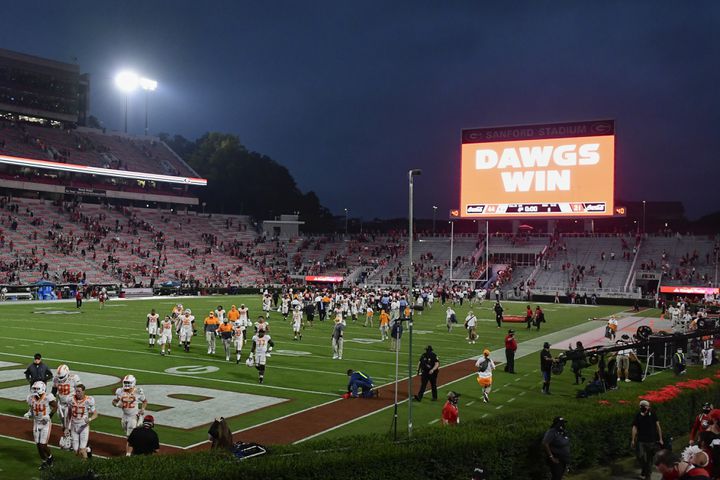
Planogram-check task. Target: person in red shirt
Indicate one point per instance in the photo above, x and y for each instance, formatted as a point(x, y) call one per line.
point(528, 317)
point(450, 413)
point(510, 348)
point(701, 423)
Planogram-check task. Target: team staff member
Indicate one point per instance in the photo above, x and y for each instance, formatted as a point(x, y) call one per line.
point(557, 447)
point(546, 363)
point(646, 433)
point(528, 317)
point(144, 440)
point(498, 314)
point(38, 371)
point(211, 326)
point(428, 369)
point(510, 349)
point(361, 381)
point(701, 423)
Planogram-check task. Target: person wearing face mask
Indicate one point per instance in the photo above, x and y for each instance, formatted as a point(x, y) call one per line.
point(557, 448)
point(646, 435)
point(701, 423)
point(671, 467)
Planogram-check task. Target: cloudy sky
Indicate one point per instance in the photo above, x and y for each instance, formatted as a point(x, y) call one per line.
point(350, 95)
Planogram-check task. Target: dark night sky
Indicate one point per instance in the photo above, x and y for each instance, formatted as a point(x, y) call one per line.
point(350, 95)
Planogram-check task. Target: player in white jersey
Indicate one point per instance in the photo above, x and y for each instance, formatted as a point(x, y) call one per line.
point(297, 317)
point(82, 412)
point(262, 324)
point(42, 407)
point(131, 399)
point(244, 320)
point(220, 313)
point(64, 388)
point(267, 305)
point(151, 326)
point(262, 345)
point(285, 307)
point(187, 327)
point(166, 329)
point(238, 331)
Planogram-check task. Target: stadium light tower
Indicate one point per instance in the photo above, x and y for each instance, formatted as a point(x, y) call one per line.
point(127, 81)
point(434, 215)
point(346, 221)
point(149, 86)
point(411, 180)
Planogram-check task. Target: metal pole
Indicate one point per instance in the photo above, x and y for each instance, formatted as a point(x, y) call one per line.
point(147, 96)
point(434, 215)
point(452, 241)
point(126, 110)
point(643, 225)
point(346, 221)
point(716, 269)
point(397, 374)
point(487, 250)
point(411, 303)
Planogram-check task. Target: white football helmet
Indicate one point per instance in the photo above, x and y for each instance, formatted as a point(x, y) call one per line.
point(129, 382)
point(250, 362)
point(38, 388)
point(188, 311)
point(63, 371)
point(65, 443)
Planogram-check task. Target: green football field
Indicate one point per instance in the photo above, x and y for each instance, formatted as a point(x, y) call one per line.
point(107, 344)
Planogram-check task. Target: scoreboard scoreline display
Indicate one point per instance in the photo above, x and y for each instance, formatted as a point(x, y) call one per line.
point(554, 171)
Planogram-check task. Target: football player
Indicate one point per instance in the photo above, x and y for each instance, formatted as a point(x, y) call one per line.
point(261, 324)
point(151, 327)
point(261, 347)
point(238, 339)
point(297, 317)
point(244, 319)
point(131, 399)
point(63, 388)
point(187, 328)
point(285, 306)
point(225, 332)
point(82, 412)
point(166, 329)
point(267, 304)
point(42, 407)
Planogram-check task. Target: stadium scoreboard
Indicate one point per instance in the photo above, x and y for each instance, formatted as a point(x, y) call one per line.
point(551, 170)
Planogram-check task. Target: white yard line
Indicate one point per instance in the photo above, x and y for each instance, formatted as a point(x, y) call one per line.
point(196, 377)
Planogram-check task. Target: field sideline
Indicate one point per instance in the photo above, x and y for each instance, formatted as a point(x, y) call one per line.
point(107, 344)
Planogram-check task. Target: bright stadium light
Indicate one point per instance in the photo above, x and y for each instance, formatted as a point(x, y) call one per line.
point(127, 81)
point(147, 84)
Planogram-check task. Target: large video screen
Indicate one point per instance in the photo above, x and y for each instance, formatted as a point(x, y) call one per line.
point(555, 170)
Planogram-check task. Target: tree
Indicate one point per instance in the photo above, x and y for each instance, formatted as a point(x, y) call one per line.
point(245, 182)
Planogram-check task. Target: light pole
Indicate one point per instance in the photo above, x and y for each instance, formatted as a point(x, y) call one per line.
point(411, 177)
point(434, 215)
point(346, 221)
point(643, 225)
point(149, 86)
point(127, 82)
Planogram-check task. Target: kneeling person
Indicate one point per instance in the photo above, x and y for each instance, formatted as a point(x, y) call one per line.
point(362, 382)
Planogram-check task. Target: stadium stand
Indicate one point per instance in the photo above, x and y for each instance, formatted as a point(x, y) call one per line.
point(682, 259)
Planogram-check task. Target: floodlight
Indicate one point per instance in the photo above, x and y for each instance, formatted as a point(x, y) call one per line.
point(126, 81)
point(147, 84)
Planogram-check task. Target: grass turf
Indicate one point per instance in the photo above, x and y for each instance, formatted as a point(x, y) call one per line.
point(113, 341)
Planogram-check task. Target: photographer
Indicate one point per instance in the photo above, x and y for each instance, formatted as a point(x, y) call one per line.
point(450, 413)
point(579, 361)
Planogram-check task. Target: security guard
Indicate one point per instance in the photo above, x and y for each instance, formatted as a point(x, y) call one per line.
point(428, 368)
